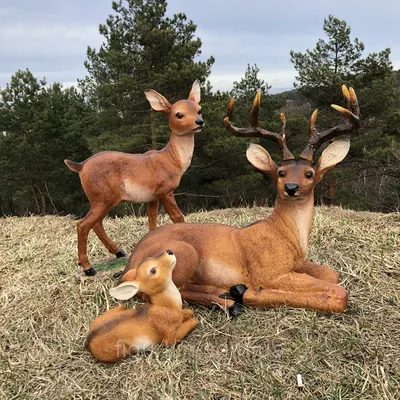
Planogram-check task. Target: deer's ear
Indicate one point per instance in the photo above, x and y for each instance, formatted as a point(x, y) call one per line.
point(260, 159)
point(157, 101)
point(331, 156)
point(194, 94)
point(124, 291)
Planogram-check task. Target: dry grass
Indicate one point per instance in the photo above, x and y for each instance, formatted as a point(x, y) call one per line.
point(45, 314)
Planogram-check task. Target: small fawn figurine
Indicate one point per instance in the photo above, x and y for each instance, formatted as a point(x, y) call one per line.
point(110, 177)
point(120, 332)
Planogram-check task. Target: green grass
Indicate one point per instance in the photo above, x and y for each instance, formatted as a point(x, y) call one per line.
point(112, 265)
point(45, 313)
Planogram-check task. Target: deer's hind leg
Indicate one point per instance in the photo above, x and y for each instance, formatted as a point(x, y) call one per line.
point(152, 214)
point(108, 243)
point(301, 291)
point(172, 208)
point(96, 214)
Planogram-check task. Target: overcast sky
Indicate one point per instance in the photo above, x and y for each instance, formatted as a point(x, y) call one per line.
point(50, 37)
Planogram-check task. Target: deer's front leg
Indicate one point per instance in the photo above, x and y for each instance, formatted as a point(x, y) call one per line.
point(187, 314)
point(205, 295)
point(301, 291)
point(183, 330)
point(172, 208)
point(318, 271)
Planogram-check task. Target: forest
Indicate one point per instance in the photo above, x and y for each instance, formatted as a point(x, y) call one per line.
point(42, 124)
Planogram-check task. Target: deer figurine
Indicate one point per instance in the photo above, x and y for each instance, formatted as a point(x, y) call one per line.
point(263, 264)
point(120, 332)
point(110, 177)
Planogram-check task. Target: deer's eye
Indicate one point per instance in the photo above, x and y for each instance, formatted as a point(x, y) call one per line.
point(309, 174)
point(179, 115)
point(199, 112)
point(153, 271)
point(281, 174)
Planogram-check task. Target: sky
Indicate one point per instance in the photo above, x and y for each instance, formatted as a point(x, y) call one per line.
point(50, 37)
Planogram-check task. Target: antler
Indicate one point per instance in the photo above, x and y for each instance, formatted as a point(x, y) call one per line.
point(254, 130)
point(351, 120)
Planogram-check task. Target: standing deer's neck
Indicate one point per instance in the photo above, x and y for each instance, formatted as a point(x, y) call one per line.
point(170, 297)
point(294, 220)
point(181, 149)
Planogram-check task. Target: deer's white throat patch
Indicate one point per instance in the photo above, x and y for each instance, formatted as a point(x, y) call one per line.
point(303, 221)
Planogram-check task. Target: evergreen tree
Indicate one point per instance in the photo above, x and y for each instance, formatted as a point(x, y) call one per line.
point(142, 49)
point(41, 126)
point(220, 174)
point(321, 72)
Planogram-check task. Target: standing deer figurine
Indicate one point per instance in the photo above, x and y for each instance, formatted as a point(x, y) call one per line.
point(263, 264)
point(120, 332)
point(110, 177)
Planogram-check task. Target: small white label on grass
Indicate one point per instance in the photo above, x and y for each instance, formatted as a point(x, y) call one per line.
point(299, 382)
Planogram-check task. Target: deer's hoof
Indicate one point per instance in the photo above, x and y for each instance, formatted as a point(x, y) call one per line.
point(90, 272)
point(226, 296)
point(120, 254)
point(237, 293)
point(118, 274)
point(235, 310)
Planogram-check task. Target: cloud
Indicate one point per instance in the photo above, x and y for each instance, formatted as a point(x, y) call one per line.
point(51, 37)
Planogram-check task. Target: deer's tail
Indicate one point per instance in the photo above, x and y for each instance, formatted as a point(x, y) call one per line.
point(74, 166)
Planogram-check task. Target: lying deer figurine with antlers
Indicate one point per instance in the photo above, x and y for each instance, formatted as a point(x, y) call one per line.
point(110, 177)
point(120, 332)
point(263, 264)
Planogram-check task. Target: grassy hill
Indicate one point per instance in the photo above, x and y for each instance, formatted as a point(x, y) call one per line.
point(45, 313)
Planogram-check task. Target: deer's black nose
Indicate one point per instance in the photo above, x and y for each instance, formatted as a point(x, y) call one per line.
point(170, 252)
point(199, 121)
point(291, 188)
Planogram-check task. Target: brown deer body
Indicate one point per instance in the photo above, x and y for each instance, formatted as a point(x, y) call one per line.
point(261, 265)
point(110, 177)
point(120, 332)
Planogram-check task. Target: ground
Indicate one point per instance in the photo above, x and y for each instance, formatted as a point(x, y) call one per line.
point(45, 313)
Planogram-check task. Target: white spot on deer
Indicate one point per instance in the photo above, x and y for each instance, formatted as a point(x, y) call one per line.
point(140, 344)
point(137, 193)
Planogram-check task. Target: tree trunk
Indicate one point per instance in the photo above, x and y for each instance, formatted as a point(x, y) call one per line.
point(34, 192)
point(43, 202)
point(331, 193)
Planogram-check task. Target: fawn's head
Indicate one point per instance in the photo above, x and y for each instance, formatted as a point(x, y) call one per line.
point(185, 115)
point(295, 180)
point(151, 277)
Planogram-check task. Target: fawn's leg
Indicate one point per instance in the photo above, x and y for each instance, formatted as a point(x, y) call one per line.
point(108, 243)
point(152, 214)
point(299, 290)
point(172, 338)
point(318, 271)
point(187, 314)
point(96, 213)
point(185, 328)
point(172, 208)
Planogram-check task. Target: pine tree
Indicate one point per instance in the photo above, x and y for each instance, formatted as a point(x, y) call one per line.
point(143, 48)
point(40, 127)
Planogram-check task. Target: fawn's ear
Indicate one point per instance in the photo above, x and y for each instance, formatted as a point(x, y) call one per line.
point(157, 101)
point(260, 159)
point(124, 291)
point(194, 94)
point(331, 156)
